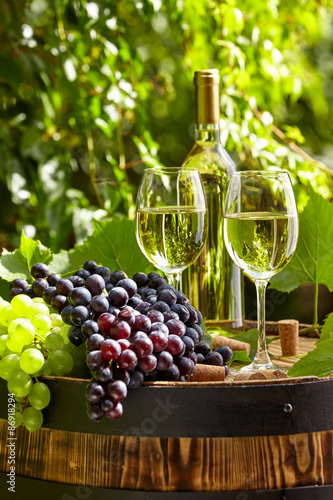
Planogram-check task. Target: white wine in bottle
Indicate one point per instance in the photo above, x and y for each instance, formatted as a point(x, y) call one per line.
point(213, 283)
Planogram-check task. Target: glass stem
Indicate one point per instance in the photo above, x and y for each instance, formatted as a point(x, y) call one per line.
point(173, 279)
point(261, 358)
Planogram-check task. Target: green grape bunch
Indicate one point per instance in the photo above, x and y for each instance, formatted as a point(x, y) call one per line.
point(33, 343)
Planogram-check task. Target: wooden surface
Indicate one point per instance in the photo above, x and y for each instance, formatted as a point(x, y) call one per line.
point(174, 464)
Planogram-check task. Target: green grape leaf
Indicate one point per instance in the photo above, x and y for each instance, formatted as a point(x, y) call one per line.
point(17, 264)
point(112, 244)
point(318, 362)
point(239, 356)
point(327, 330)
point(313, 258)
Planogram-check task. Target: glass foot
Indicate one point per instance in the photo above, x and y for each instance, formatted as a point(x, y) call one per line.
point(253, 367)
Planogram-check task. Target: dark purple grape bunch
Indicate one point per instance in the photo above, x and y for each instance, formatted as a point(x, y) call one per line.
point(149, 332)
point(220, 357)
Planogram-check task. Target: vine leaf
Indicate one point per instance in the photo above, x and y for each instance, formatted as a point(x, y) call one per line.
point(112, 244)
point(318, 362)
point(313, 258)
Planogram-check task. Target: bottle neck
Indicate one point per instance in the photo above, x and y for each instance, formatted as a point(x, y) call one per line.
point(207, 133)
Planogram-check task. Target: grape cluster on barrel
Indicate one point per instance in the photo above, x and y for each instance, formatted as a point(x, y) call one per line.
point(134, 329)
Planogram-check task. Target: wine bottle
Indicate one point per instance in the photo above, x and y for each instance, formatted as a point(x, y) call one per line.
point(213, 283)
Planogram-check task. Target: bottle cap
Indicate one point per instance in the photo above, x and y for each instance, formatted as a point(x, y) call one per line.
point(207, 106)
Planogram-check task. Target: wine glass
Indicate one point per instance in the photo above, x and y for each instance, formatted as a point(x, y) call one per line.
point(171, 222)
point(260, 232)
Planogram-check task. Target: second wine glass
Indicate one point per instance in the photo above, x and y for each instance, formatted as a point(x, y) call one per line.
point(171, 222)
point(260, 232)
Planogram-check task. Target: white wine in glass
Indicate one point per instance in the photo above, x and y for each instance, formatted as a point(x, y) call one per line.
point(171, 225)
point(260, 232)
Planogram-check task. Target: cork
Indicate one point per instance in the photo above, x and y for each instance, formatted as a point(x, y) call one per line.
point(206, 373)
point(288, 332)
point(261, 375)
point(235, 345)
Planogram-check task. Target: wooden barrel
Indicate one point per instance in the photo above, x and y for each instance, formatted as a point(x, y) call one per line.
point(217, 440)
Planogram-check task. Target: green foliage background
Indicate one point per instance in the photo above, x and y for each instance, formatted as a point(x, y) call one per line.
point(91, 92)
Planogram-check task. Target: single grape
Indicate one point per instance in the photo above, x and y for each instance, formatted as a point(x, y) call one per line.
point(155, 281)
point(105, 321)
point(142, 323)
point(171, 374)
point(129, 285)
point(103, 271)
point(193, 317)
point(79, 296)
point(94, 392)
point(201, 359)
point(39, 270)
point(66, 314)
point(64, 287)
point(14, 292)
point(144, 307)
point(89, 327)
point(31, 361)
point(61, 362)
point(7, 315)
point(95, 413)
point(39, 397)
point(182, 312)
point(107, 405)
point(32, 419)
point(90, 265)
point(175, 345)
point(141, 279)
point(214, 358)
point(193, 334)
point(127, 359)
point(58, 302)
point(53, 279)
point(142, 346)
point(54, 341)
point(164, 360)
point(147, 364)
point(22, 335)
point(176, 327)
point(168, 296)
point(95, 341)
point(117, 276)
point(37, 308)
point(75, 336)
point(18, 419)
point(116, 391)
point(42, 324)
point(20, 305)
point(79, 315)
point(170, 315)
point(159, 340)
point(9, 365)
point(103, 374)
point(83, 273)
point(155, 316)
point(185, 366)
point(225, 352)
point(127, 314)
point(94, 359)
point(28, 291)
point(20, 384)
point(77, 281)
point(99, 304)
point(110, 349)
point(118, 296)
point(160, 327)
point(115, 412)
point(189, 345)
point(39, 286)
point(95, 284)
point(203, 348)
point(120, 330)
point(136, 379)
